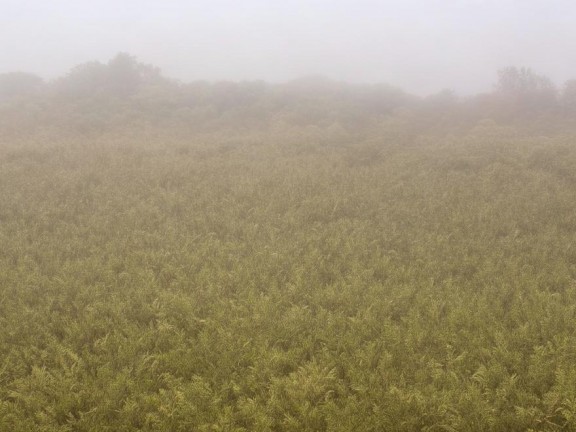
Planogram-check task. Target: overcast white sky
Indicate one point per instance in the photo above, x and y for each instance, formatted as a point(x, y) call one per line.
point(423, 46)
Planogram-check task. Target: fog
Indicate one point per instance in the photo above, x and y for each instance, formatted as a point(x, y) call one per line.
point(421, 46)
point(344, 215)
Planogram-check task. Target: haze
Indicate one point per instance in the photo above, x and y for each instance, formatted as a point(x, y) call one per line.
point(421, 46)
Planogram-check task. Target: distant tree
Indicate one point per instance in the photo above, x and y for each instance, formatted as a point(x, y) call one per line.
point(513, 80)
point(122, 76)
point(525, 91)
point(568, 97)
point(15, 84)
point(88, 79)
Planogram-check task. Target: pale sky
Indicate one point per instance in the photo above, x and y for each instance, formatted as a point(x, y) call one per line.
point(422, 46)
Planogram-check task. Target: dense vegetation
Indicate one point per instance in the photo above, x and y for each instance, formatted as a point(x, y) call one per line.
point(390, 264)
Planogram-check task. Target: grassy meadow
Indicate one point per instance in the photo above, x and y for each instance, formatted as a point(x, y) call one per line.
point(303, 281)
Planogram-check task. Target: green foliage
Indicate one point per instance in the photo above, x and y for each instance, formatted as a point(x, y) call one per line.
point(290, 280)
point(310, 256)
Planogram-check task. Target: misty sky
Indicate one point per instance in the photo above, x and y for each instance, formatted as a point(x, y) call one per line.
point(423, 46)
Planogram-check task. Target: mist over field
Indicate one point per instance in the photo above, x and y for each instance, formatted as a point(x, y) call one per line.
point(421, 46)
point(287, 216)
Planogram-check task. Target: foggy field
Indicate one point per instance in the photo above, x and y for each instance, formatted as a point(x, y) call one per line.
point(306, 256)
point(297, 280)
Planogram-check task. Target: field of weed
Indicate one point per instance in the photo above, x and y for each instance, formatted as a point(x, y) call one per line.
point(270, 283)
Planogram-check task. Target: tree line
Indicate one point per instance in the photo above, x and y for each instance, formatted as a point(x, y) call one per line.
point(96, 96)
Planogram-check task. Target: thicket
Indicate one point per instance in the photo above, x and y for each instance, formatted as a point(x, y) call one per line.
point(95, 98)
point(303, 257)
